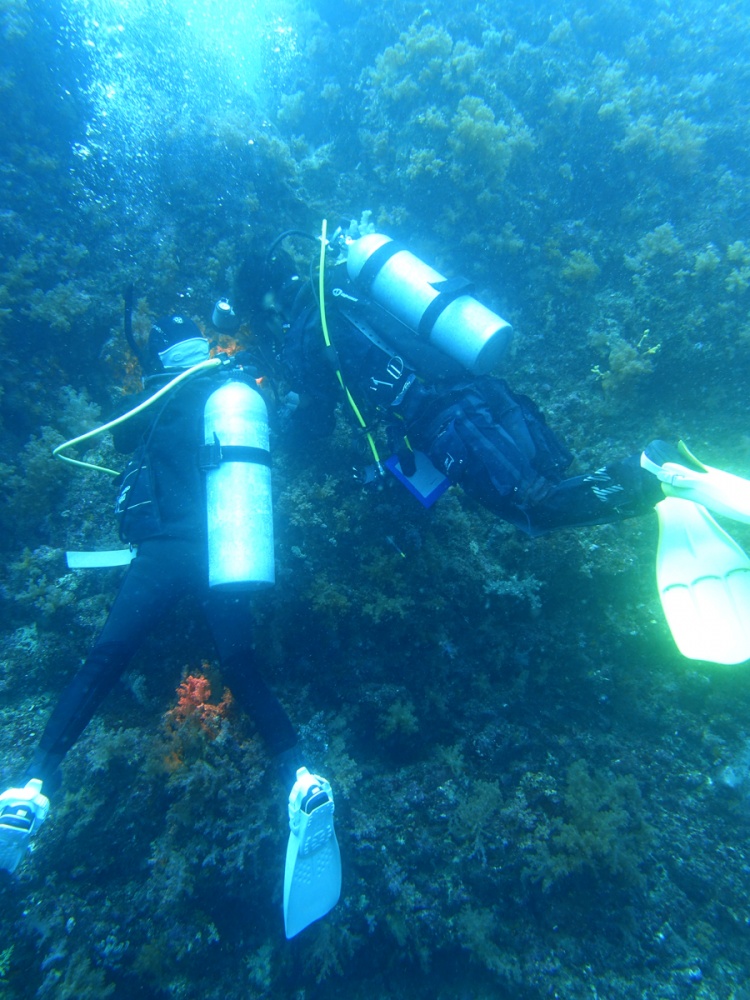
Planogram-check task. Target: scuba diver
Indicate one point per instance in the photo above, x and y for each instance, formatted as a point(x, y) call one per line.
point(200, 468)
point(411, 353)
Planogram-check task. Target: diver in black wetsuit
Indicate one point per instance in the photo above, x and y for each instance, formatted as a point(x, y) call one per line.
point(164, 508)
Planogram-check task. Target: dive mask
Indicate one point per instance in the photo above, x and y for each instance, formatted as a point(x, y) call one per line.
point(186, 353)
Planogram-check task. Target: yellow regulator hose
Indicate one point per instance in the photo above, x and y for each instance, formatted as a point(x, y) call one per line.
point(326, 337)
point(178, 380)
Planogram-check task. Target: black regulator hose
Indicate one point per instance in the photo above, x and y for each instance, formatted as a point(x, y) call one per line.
point(280, 239)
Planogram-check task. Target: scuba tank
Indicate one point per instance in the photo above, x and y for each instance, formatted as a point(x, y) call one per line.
point(439, 311)
point(238, 488)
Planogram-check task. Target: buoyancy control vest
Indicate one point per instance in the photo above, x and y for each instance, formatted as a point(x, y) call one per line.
point(136, 511)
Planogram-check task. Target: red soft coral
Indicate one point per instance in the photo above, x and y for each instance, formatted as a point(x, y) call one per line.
point(193, 696)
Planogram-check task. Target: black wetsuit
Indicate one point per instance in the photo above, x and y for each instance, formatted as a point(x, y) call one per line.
point(493, 441)
point(171, 563)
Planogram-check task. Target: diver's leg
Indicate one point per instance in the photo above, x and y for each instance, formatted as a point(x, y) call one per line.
point(153, 581)
point(230, 622)
point(614, 492)
point(312, 865)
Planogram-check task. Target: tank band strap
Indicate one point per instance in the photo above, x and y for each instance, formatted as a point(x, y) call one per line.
point(210, 456)
point(371, 267)
point(448, 291)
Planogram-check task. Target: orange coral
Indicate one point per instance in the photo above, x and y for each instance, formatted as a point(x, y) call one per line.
point(193, 696)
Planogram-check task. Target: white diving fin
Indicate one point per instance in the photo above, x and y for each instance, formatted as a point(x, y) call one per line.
point(312, 877)
point(703, 578)
point(22, 812)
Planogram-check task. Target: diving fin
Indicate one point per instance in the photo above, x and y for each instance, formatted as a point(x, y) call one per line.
point(703, 578)
point(682, 475)
point(22, 812)
point(312, 877)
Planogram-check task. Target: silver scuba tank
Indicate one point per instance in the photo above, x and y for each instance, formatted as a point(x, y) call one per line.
point(442, 312)
point(238, 489)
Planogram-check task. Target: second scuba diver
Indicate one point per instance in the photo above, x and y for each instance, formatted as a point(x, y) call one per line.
point(411, 353)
